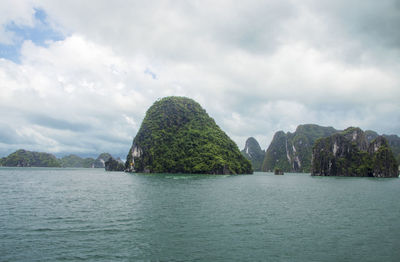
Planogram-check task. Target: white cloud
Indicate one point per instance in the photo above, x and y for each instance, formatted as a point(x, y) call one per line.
point(69, 84)
point(255, 67)
point(19, 12)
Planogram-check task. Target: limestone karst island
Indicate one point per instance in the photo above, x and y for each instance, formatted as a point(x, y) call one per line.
point(348, 153)
point(178, 136)
point(360, 153)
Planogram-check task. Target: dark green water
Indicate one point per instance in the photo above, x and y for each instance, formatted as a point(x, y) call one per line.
point(91, 215)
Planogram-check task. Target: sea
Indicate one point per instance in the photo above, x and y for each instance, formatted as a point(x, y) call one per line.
point(54, 214)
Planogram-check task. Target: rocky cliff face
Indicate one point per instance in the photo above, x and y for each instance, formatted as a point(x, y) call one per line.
point(383, 162)
point(253, 152)
point(357, 136)
point(349, 154)
point(291, 152)
point(101, 160)
point(393, 141)
point(178, 136)
point(114, 165)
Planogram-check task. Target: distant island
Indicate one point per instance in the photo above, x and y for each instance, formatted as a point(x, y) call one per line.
point(76, 161)
point(114, 165)
point(292, 152)
point(178, 136)
point(253, 152)
point(25, 158)
point(349, 153)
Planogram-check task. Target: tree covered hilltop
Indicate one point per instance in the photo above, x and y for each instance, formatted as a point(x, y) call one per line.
point(25, 158)
point(178, 136)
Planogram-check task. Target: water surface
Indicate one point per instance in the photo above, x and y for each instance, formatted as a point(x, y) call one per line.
point(93, 215)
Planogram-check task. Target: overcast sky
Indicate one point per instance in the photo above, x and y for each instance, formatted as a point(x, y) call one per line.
point(78, 76)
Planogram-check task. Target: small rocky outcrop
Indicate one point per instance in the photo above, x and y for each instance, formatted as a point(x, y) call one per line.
point(253, 152)
point(349, 154)
point(114, 165)
point(101, 160)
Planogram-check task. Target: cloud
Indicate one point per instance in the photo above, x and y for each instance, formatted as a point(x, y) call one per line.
point(22, 21)
point(20, 12)
point(255, 67)
point(370, 21)
point(60, 124)
point(72, 90)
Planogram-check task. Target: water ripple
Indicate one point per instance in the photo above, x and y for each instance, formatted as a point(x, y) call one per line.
point(91, 215)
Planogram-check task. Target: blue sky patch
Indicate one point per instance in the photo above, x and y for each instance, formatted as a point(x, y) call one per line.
point(150, 73)
point(39, 34)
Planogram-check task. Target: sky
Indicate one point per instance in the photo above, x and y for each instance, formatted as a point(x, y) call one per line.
point(78, 76)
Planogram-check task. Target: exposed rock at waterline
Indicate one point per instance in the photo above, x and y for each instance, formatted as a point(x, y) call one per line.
point(114, 165)
point(101, 160)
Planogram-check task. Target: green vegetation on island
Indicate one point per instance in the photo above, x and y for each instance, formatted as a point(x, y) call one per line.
point(24, 158)
point(114, 165)
point(348, 153)
point(101, 160)
point(393, 141)
point(76, 161)
point(178, 136)
point(291, 152)
point(253, 152)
